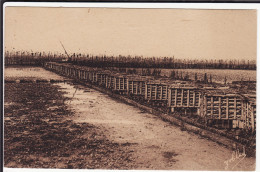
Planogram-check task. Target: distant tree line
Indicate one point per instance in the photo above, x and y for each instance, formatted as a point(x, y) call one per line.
point(126, 61)
point(31, 58)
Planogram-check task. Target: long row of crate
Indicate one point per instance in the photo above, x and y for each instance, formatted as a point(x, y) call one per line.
point(222, 108)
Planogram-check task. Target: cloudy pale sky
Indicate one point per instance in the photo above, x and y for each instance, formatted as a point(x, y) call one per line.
point(182, 33)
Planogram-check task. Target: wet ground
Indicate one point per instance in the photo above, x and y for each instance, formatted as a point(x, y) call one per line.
point(64, 125)
point(16, 73)
point(40, 133)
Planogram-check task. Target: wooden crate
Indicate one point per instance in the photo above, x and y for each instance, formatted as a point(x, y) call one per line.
point(156, 91)
point(81, 74)
point(223, 106)
point(136, 85)
point(87, 75)
point(252, 116)
point(183, 96)
point(110, 81)
point(63, 69)
point(222, 109)
point(70, 72)
point(249, 112)
point(120, 83)
point(77, 73)
point(102, 78)
point(92, 76)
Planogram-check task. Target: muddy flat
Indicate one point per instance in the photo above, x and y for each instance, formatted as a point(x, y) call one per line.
point(39, 131)
point(65, 125)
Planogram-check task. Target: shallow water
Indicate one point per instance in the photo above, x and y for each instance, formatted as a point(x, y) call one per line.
point(29, 73)
point(218, 75)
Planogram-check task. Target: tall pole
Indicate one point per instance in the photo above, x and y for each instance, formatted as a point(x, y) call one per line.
point(64, 50)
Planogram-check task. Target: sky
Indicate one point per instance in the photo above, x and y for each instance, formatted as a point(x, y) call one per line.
point(182, 33)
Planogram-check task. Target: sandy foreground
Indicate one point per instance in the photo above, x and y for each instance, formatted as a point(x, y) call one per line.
point(156, 144)
point(150, 142)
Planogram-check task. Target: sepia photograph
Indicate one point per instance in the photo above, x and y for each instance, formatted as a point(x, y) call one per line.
point(113, 88)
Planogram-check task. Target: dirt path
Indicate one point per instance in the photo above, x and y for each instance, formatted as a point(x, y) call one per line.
point(155, 144)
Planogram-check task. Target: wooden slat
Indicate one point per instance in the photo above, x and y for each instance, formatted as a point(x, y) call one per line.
point(227, 108)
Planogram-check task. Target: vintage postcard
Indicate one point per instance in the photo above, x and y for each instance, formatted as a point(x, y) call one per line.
point(98, 87)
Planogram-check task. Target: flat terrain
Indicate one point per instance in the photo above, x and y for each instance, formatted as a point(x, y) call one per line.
point(13, 73)
point(71, 126)
point(39, 133)
point(155, 144)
